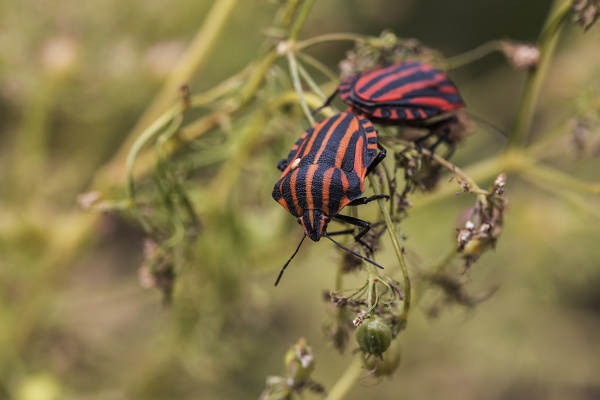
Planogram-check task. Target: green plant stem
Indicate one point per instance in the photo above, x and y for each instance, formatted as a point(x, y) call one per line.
point(330, 37)
point(473, 187)
point(310, 82)
point(397, 244)
point(559, 179)
point(575, 199)
point(347, 380)
point(318, 65)
point(300, 20)
point(535, 77)
point(195, 55)
point(372, 297)
point(474, 54)
point(142, 140)
point(298, 86)
point(287, 14)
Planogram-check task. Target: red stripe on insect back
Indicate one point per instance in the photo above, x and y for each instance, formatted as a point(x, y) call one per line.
point(294, 154)
point(343, 146)
point(309, 178)
point(358, 162)
point(332, 129)
point(345, 184)
point(393, 76)
point(296, 145)
point(326, 183)
point(441, 103)
point(315, 133)
point(401, 91)
point(283, 203)
point(344, 200)
point(448, 89)
point(293, 190)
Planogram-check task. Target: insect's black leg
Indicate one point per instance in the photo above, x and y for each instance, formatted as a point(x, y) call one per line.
point(441, 139)
point(439, 129)
point(282, 164)
point(366, 227)
point(342, 232)
point(364, 200)
point(327, 102)
point(377, 160)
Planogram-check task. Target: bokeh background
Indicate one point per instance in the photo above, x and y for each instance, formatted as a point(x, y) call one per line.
point(75, 323)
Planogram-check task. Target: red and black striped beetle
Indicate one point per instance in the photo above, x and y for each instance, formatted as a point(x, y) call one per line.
point(405, 93)
point(325, 171)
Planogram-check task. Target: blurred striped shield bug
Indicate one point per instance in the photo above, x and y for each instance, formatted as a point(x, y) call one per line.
point(325, 172)
point(408, 93)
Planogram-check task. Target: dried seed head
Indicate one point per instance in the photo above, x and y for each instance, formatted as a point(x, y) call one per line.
point(521, 55)
point(484, 224)
point(586, 12)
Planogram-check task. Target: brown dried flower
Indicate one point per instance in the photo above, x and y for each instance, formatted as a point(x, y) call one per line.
point(521, 55)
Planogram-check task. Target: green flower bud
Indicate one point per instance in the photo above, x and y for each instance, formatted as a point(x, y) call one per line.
point(373, 336)
point(299, 361)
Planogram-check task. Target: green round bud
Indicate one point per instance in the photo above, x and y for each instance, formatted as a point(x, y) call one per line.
point(373, 336)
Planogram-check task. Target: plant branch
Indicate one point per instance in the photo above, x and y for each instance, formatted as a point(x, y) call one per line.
point(194, 57)
point(535, 77)
point(330, 37)
point(397, 244)
point(346, 381)
point(298, 85)
point(300, 20)
point(559, 179)
point(474, 54)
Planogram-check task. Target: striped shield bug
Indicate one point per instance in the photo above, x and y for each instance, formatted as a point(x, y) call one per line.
point(407, 93)
point(325, 172)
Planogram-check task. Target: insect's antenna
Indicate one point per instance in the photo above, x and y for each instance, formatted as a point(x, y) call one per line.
point(352, 252)
point(487, 123)
point(288, 261)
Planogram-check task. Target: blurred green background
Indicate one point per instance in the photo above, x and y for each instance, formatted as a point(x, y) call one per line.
point(75, 323)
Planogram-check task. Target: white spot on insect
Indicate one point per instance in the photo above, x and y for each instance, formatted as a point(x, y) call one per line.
point(295, 163)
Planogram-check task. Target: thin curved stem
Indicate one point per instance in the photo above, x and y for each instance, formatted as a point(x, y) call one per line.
point(330, 37)
point(298, 85)
point(300, 20)
point(142, 140)
point(310, 82)
point(474, 54)
point(535, 77)
point(559, 179)
point(318, 65)
point(169, 116)
point(195, 55)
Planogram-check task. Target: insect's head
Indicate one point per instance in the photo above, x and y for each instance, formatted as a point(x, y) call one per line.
point(314, 223)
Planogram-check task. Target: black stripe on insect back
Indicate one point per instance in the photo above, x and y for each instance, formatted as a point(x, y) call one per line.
point(333, 199)
point(404, 73)
point(313, 178)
